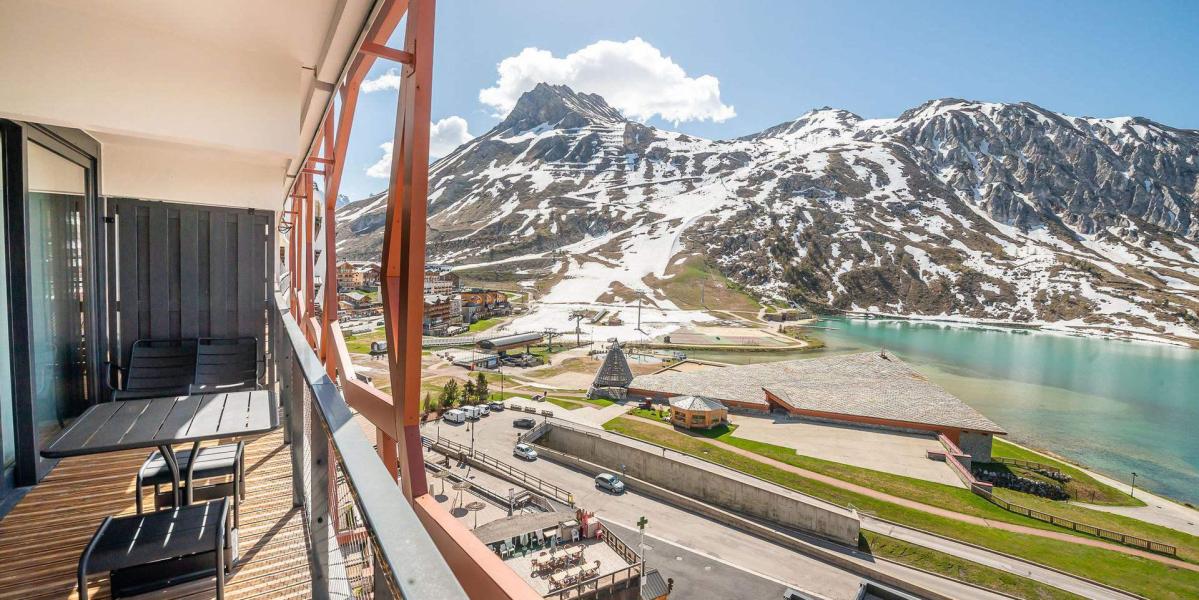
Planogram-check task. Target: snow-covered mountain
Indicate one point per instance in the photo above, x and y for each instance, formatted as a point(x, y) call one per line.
point(959, 209)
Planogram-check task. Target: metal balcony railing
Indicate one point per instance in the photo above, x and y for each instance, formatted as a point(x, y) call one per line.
point(364, 538)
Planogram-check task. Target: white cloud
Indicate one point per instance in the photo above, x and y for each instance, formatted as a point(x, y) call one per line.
point(387, 81)
point(381, 169)
point(444, 136)
point(632, 76)
point(447, 134)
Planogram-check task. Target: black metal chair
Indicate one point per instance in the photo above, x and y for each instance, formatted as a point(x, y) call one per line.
point(220, 365)
point(227, 365)
point(140, 543)
point(225, 460)
point(157, 368)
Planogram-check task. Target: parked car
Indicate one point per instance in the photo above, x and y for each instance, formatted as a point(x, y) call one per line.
point(454, 416)
point(524, 451)
point(609, 483)
point(472, 412)
point(523, 423)
point(496, 406)
point(484, 410)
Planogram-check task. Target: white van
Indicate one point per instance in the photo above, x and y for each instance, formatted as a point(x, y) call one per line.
point(484, 410)
point(472, 412)
point(454, 416)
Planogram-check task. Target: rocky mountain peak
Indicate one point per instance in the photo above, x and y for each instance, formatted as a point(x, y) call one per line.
point(980, 210)
point(558, 106)
point(824, 121)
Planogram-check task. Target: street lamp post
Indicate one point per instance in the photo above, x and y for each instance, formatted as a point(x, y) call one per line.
point(472, 439)
point(1133, 490)
point(641, 523)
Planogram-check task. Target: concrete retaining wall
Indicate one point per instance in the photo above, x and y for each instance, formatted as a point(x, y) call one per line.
point(832, 557)
point(692, 481)
point(977, 445)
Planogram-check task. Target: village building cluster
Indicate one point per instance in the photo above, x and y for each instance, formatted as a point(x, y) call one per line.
point(450, 309)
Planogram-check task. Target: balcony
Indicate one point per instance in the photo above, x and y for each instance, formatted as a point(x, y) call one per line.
point(43, 535)
point(321, 518)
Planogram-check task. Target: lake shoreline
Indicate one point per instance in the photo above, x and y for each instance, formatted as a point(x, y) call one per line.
point(1117, 408)
point(1120, 335)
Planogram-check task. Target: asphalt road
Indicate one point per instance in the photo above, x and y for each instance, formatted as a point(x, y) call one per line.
point(755, 557)
point(696, 575)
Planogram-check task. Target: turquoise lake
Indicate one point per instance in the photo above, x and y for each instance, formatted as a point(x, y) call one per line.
point(1117, 407)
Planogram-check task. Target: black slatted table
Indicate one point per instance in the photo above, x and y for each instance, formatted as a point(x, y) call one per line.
point(161, 422)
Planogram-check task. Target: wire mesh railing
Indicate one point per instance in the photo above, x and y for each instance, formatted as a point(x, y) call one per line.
point(363, 539)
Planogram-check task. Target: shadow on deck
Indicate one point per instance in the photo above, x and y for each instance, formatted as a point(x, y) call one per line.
point(42, 537)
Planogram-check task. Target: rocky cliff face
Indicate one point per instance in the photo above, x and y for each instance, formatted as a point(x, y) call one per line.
point(960, 209)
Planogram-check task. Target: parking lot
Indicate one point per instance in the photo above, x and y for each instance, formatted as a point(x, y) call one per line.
point(739, 552)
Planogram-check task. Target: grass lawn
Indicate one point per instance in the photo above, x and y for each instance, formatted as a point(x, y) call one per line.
point(652, 415)
point(1132, 573)
point(597, 402)
point(696, 280)
point(361, 343)
point(957, 568)
point(964, 501)
point(564, 403)
point(1082, 486)
point(485, 324)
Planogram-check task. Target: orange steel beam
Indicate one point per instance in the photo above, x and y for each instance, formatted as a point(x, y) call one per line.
point(336, 142)
point(389, 18)
point(293, 257)
point(308, 296)
point(329, 303)
point(404, 243)
point(381, 51)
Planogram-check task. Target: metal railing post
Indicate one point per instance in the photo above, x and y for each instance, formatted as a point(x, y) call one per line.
point(283, 366)
point(295, 422)
point(381, 590)
point(318, 509)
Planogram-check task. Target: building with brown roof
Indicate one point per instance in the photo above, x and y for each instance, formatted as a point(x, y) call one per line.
point(697, 412)
point(868, 388)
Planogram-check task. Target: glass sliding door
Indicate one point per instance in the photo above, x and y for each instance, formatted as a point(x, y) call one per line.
point(57, 247)
point(8, 440)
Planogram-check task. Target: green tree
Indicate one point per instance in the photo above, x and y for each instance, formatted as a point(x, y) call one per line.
point(468, 393)
point(449, 393)
point(430, 404)
point(481, 388)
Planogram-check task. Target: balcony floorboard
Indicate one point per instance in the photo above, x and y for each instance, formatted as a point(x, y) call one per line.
point(43, 535)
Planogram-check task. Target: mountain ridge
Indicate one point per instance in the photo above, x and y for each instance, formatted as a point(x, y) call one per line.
point(955, 208)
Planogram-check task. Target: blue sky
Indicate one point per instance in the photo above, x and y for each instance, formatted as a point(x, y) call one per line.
point(726, 69)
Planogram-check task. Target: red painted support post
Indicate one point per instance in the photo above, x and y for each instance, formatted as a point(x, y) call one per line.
point(404, 243)
point(308, 297)
point(329, 303)
point(292, 256)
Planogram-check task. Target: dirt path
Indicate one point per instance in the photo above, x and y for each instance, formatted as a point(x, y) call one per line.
point(942, 512)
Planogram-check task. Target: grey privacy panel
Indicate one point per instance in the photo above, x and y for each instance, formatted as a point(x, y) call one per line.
point(186, 271)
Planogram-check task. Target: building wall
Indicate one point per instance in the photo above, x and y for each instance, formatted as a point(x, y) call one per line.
point(697, 419)
point(976, 444)
point(702, 484)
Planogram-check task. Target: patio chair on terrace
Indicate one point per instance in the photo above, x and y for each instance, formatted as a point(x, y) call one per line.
point(219, 365)
point(157, 368)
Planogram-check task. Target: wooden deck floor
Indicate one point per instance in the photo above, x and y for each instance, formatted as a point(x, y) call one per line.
point(42, 537)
